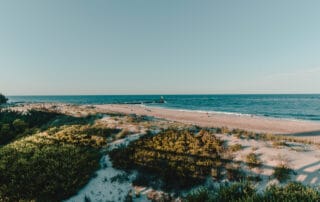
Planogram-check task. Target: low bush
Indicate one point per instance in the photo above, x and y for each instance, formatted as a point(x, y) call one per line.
point(3, 99)
point(252, 160)
point(41, 169)
point(293, 191)
point(14, 125)
point(223, 130)
point(253, 178)
point(234, 172)
point(52, 164)
point(244, 192)
point(235, 147)
point(224, 192)
point(178, 157)
point(282, 172)
point(201, 194)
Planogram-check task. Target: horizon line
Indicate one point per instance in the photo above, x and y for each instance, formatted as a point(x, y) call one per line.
point(50, 95)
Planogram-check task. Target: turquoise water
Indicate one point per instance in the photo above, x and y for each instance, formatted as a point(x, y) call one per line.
point(304, 107)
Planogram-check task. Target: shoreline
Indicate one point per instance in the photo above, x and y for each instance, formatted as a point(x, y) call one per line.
point(229, 113)
point(304, 129)
point(12, 104)
point(252, 123)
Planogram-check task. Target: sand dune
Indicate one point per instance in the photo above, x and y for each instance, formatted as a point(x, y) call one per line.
point(304, 129)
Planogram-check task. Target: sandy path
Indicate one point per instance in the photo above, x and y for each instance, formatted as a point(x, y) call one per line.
point(306, 129)
point(102, 188)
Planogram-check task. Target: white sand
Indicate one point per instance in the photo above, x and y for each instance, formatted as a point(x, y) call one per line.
point(306, 163)
point(101, 188)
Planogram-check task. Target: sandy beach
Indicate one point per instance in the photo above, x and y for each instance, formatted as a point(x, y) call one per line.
point(302, 158)
point(153, 101)
point(304, 129)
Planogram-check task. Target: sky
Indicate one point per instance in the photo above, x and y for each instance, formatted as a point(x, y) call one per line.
point(82, 47)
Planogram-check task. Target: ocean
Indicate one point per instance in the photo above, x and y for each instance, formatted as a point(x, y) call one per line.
point(287, 106)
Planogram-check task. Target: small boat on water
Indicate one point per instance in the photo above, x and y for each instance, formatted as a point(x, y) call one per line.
point(162, 100)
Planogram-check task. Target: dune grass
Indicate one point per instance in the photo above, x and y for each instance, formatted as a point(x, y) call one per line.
point(50, 157)
point(177, 157)
point(245, 192)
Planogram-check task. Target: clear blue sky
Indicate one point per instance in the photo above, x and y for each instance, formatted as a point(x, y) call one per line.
point(159, 47)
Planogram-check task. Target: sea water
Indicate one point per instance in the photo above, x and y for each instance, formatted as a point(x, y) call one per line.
point(288, 106)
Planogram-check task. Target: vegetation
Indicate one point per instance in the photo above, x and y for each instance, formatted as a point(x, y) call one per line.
point(282, 172)
point(200, 194)
point(278, 140)
point(47, 156)
point(278, 144)
point(14, 124)
point(224, 192)
point(235, 147)
point(3, 99)
point(42, 169)
point(252, 160)
point(293, 191)
point(179, 158)
point(245, 192)
point(234, 172)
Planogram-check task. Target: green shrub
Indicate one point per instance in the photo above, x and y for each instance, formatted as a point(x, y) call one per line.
point(234, 191)
point(223, 130)
point(201, 194)
point(44, 168)
point(235, 147)
point(253, 178)
point(19, 125)
point(178, 157)
point(238, 191)
point(293, 191)
point(245, 192)
point(282, 172)
point(5, 134)
point(14, 124)
point(234, 172)
point(253, 160)
point(87, 199)
point(3, 99)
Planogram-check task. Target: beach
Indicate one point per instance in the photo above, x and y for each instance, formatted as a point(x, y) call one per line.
point(153, 101)
point(130, 122)
point(298, 128)
point(304, 129)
